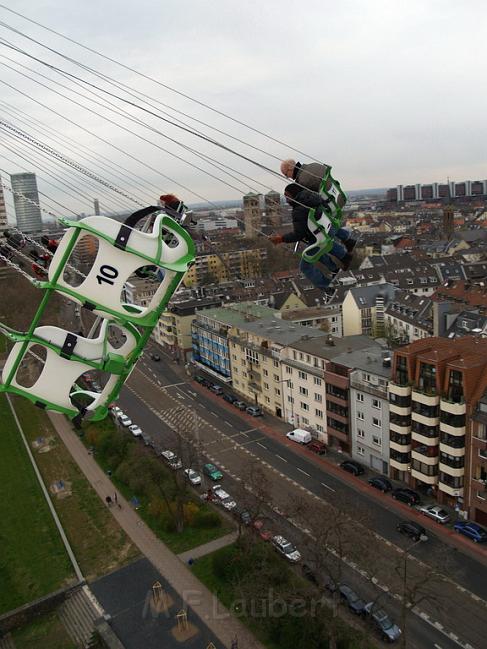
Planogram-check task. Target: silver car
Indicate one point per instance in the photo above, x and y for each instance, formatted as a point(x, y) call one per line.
point(193, 477)
point(389, 631)
point(286, 548)
point(224, 499)
point(435, 512)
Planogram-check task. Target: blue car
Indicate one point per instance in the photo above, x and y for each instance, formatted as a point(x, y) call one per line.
point(472, 530)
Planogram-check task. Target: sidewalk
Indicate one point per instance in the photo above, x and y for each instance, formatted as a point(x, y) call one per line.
point(208, 548)
point(201, 600)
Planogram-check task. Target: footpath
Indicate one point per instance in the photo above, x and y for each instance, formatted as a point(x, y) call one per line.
point(218, 619)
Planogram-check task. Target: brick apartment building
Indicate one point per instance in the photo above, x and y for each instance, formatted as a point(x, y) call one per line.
point(438, 416)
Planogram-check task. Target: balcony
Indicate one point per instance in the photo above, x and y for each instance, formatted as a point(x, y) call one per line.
point(426, 398)
point(365, 386)
point(448, 489)
point(456, 472)
point(453, 408)
point(336, 397)
point(401, 463)
point(427, 479)
point(459, 431)
point(338, 380)
point(400, 390)
point(422, 454)
point(451, 450)
point(400, 410)
point(341, 435)
point(425, 419)
point(397, 428)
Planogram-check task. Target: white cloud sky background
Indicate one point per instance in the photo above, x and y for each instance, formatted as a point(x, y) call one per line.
point(385, 91)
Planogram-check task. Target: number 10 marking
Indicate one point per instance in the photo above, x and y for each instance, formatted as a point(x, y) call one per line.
point(107, 274)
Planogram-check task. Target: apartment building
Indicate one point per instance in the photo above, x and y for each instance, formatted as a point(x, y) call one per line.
point(327, 318)
point(256, 349)
point(225, 266)
point(408, 318)
point(209, 332)
point(173, 331)
point(434, 397)
point(475, 493)
point(316, 387)
point(369, 405)
point(364, 309)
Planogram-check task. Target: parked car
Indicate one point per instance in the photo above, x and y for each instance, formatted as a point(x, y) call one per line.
point(352, 467)
point(317, 447)
point(193, 477)
point(407, 496)
point(115, 411)
point(229, 397)
point(124, 420)
point(223, 498)
point(172, 459)
point(212, 472)
point(286, 548)
point(381, 483)
point(155, 357)
point(241, 405)
point(353, 601)
point(435, 512)
point(199, 379)
point(244, 515)
point(474, 531)
point(299, 435)
point(265, 534)
point(411, 529)
point(135, 430)
point(217, 389)
point(389, 631)
point(255, 411)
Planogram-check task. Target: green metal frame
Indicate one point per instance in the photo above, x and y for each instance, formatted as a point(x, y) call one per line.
point(112, 363)
point(331, 192)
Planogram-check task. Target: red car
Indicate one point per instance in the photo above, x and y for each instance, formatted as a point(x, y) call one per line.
point(317, 447)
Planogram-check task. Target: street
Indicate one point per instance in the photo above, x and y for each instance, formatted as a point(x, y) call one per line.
point(161, 401)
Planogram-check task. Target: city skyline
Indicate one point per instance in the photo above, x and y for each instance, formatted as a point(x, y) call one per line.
point(387, 117)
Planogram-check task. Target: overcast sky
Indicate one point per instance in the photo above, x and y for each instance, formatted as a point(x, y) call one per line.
point(386, 91)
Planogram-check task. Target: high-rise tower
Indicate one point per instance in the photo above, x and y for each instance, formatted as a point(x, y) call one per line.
point(252, 215)
point(27, 212)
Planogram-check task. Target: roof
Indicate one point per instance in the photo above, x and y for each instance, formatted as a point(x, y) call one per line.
point(468, 323)
point(280, 332)
point(329, 347)
point(369, 359)
point(415, 309)
point(365, 296)
point(236, 313)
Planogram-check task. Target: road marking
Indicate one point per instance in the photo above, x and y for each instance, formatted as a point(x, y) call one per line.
point(328, 487)
point(303, 472)
point(193, 393)
point(281, 458)
point(263, 446)
point(227, 423)
point(244, 434)
point(172, 385)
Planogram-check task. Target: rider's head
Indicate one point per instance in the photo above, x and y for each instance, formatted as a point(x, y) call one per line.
point(287, 168)
point(291, 191)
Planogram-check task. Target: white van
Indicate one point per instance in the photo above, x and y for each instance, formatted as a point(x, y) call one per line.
point(299, 435)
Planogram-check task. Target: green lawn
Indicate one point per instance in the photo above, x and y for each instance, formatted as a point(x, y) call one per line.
point(46, 632)
point(191, 537)
point(33, 561)
point(99, 543)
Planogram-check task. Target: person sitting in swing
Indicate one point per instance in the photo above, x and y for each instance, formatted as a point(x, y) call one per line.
point(322, 272)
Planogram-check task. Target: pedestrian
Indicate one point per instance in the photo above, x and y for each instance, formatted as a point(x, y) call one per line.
point(115, 498)
point(108, 501)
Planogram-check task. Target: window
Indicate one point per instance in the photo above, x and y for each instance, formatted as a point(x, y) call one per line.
point(235, 370)
point(360, 450)
point(267, 400)
point(376, 440)
point(360, 415)
point(319, 413)
point(304, 406)
point(289, 370)
point(303, 375)
point(319, 428)
point(290, 399)
point(318, 397)
point(276, 377)
point(244, 374)
point(303, 391)
point(360, 433)
point(376, 404)
point(305, 421)
point(317, 381)
point(376, 422)
point(300, 356)
point(360, 397)
point(366, 377)
point(266, 373)
point(277, 391)
point(275, 363)
point(294, 355)
point(266, 386)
